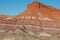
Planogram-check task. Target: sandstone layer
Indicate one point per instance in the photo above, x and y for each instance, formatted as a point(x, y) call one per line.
point(36, 19)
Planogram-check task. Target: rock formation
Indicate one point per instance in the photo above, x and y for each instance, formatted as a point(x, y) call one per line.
point(46, 17)
point(38, 22)
point(38, 17)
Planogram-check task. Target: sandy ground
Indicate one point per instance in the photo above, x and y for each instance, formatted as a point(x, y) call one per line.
point(25, 36)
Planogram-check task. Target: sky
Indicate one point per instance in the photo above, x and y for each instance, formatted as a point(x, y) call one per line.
point(15, 7)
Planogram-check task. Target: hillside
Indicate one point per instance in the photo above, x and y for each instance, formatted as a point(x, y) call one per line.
point(37, 22)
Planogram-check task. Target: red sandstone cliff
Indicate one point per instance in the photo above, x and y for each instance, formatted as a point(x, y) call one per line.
point(40, 11)
point(37, 14)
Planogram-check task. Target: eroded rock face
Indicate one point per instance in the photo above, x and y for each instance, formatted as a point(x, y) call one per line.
point(47, 17)
point(38, 22)
point(40, 11)
point(36, 18)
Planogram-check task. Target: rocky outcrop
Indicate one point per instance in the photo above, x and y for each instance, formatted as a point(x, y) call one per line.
point(38, 17)
point(38, 22)
point(47, 17)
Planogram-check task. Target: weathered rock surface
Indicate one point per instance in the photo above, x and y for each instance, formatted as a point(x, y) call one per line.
point(36, 19)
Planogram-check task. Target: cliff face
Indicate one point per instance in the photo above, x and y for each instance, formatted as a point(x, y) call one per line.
point(40, 11)
point(36, 18)
point(47, 17)
point(38, 22)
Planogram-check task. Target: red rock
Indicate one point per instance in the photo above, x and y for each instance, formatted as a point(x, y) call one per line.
point(38, 16)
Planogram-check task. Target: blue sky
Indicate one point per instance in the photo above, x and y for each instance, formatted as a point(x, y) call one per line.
point(15, 7)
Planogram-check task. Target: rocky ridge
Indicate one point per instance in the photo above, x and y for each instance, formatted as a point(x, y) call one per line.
point(38, 17)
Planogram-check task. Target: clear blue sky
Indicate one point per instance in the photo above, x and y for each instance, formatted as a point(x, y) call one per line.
point(14, 7)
